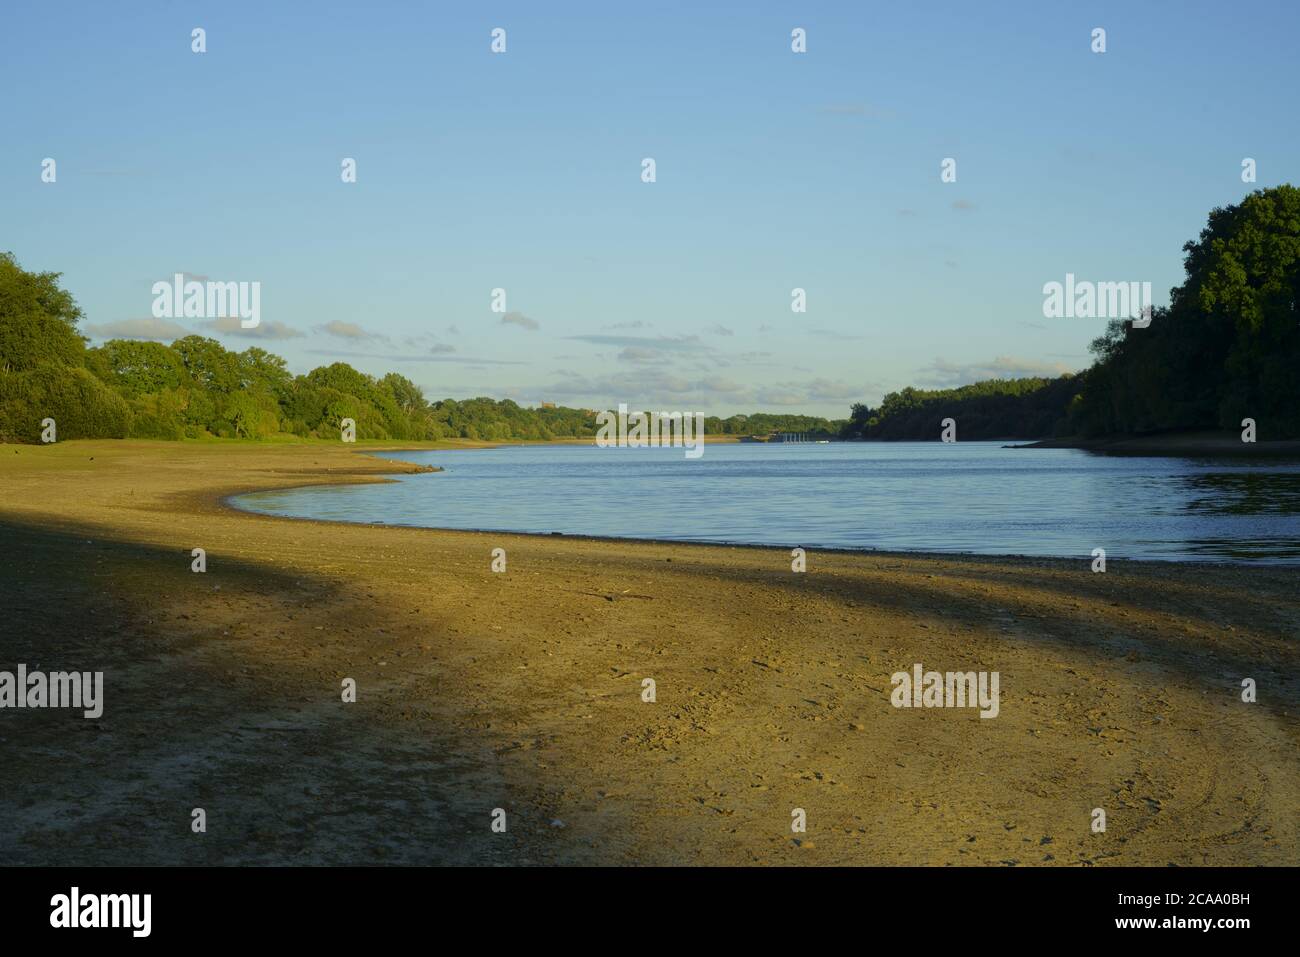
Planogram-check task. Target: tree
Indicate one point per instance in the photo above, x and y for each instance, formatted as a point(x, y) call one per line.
point(1228, 345)
point(81, 406)
point(262, 371)
point(136, 368)
point(208, 363)
point(38, 320)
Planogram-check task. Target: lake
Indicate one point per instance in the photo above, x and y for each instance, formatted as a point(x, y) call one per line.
point(907, 496)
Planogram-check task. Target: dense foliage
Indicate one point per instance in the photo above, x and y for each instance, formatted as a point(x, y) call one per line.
point(764, 423)
point(1228, 345)
point(993, 409)
point(195, 387)
point(1226, 348)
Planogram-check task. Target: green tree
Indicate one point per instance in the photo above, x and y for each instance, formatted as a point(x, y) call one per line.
point(81, 406)
point(1227, 346)
point(137, 368)
point(38, 320)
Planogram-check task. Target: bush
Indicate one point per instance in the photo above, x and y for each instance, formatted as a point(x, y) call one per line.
point(81, 406)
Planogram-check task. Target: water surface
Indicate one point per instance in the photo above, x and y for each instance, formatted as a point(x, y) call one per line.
point(961, 497)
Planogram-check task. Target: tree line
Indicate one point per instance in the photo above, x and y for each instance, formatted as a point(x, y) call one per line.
point(1226, 348)
point(196, 388)
point(992, 409)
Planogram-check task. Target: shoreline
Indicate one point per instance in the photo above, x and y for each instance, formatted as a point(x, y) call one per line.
point(522, 690)
point(1176, 445)
point(765, 546)
point(226, 501)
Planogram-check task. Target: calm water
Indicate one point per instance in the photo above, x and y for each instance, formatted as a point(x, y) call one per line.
point(962, 497)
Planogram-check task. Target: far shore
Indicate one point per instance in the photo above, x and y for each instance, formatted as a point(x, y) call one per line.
point(524, 689)
point(1191, 444)
point(1176, 444)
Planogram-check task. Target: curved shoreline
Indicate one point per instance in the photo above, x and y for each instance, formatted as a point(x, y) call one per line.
point(522, 690)
point(410, 469)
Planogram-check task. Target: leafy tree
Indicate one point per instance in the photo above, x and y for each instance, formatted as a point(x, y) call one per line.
point(208, 364)
point(38, 320)
point(1228, 345)
point(993, 409)
point(261, 371)
point(22, 291)
point(137, 368)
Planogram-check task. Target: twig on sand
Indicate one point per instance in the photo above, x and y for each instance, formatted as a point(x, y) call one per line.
point(611, 596)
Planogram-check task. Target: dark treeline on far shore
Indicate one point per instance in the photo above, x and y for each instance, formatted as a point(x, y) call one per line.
point(1226, 348)
point(993, 409)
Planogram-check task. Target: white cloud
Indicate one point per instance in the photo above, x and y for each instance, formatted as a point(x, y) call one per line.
point(230, 326)
point(520, 320)
point(160, 330)
point(347, 330)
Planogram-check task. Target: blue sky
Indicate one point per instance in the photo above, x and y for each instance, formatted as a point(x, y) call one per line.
point(522, 171)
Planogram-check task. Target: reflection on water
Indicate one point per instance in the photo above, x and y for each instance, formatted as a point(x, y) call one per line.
point(1245, 493)
point(963, 497)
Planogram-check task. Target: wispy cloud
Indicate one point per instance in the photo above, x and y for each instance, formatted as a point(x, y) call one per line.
point(643, 354)
point(661, 388)
point(833, 334)
point(520, 320)
point(459, 360)
point(159, 330)
point(348, 330)
point(230, 326)
point(799, 393)
point(662, 343)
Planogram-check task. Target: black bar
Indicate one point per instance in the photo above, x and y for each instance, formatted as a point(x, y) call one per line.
point(634, 907)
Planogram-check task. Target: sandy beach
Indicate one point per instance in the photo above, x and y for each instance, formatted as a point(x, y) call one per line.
point(522, 690)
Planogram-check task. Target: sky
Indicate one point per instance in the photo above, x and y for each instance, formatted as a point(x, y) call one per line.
point(523, 171)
